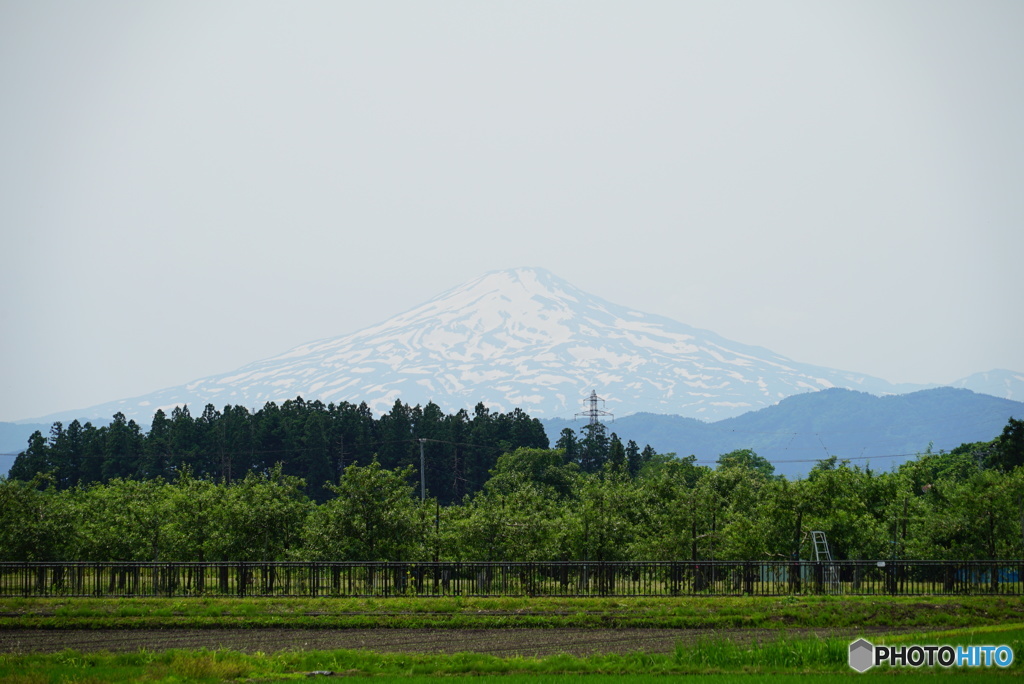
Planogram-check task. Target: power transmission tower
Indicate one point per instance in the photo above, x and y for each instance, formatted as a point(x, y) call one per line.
point(594, 413)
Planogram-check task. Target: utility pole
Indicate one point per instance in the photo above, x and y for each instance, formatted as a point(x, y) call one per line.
point(423, 473)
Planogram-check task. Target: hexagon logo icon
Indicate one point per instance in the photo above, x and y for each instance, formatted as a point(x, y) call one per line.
point(862, 655)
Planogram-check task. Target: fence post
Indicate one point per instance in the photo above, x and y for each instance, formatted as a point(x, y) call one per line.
point(580, 578)
point(890, 579)
point(794, 577)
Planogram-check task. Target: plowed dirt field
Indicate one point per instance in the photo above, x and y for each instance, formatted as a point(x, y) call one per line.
point(499, 642)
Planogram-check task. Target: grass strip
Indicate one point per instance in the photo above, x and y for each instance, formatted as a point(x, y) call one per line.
point(227, 665)
point(482, 613)
point(712, 656)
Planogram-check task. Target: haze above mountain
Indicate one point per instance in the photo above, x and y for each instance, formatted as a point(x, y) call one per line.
point(528, 339)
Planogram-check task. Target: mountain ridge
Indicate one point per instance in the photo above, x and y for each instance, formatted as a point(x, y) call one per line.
point(880, 432)
point(520, 338)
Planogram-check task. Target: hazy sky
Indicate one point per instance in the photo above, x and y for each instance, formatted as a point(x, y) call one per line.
point(189, 186)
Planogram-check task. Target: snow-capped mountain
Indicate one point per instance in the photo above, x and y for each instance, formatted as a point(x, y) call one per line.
point(517, 338)
point(999, 383)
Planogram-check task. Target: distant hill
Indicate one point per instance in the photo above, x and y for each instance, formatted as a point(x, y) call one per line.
point(879, 432)
point(14, 439)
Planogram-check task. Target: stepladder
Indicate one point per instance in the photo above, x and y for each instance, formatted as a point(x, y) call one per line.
point(823, 556)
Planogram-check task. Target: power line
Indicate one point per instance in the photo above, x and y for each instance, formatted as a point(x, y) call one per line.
point(307, 449)
point(818, 460)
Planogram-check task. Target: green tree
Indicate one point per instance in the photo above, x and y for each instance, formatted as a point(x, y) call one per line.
point(35, 459)
point(194, 524)
point(373, 517)
point(674, 515)
point(34, 522)
point(313, 458)
point(633, 462)
point(93, 454)
point(568, 445)
point(617, 454)
point(843, 502)
point(594, 447)
point(734, 495)
point(237, 431)
point(541, 467)
point(604, 517)
point(72, 452)
point(1009, 447)
point(260, 518)
point(156, 449)
point(977, 519)
point(121, 520)
point(520, 522)
point(959, 464)
point(519, 514)
point(747, 459)
point(124, 442)
point(64, 453)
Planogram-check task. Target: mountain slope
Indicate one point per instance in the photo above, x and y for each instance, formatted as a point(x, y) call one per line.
point(998, 383)
point(518, 338)
point(871, 431)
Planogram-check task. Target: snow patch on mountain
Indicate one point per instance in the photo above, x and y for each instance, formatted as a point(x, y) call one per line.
point(524, 338)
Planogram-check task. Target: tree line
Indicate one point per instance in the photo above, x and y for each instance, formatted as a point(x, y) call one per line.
point(541, 504)
point(312, 440)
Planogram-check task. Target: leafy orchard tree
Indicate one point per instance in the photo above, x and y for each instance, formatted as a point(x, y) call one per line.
point(673, 515)
point(521, 523)
point(260, 518)
point(195, 523)
point(534, 504)
point(542, 467)
point(976, 519)
point(520, 514)
point(119, 521)
point(373, 517)
point(841, 501)
point(34, 524)
point(604, 517)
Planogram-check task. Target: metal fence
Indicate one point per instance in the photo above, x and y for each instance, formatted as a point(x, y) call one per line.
point(572, 578)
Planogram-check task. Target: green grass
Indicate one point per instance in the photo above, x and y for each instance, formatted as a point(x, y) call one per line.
point(968, 620)
point(732, 678)
point(465, 613)
point(725, 660)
